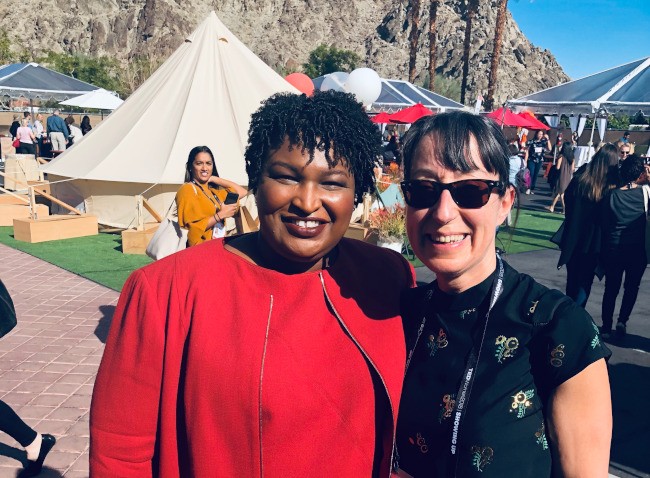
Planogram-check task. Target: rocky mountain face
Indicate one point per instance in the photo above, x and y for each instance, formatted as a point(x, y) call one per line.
point(283, 32)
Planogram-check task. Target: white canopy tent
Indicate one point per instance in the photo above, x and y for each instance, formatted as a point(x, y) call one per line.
point(98, 99)
point(204, 94)
point(623, 89)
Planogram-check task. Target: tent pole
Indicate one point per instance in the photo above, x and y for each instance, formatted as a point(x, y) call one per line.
point(503, 114)
point(591, 138)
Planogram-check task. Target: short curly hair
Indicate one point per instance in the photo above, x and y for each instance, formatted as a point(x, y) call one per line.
point(330, 121)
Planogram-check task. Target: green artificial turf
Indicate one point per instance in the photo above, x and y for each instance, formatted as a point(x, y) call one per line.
point(98, 258)
point(531, 232)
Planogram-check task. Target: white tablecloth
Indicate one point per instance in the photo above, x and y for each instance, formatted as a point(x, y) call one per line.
point(582, 155)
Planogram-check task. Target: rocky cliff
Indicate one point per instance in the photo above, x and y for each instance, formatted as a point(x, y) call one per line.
point(283, 32)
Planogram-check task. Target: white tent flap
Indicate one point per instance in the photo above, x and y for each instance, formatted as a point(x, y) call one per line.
point(602, 127)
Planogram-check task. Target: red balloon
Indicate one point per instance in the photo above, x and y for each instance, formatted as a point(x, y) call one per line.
point(301, 82)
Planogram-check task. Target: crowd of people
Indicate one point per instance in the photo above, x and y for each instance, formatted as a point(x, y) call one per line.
point(57, 133)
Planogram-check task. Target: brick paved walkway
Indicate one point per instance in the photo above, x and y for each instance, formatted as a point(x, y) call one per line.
point(49, 361)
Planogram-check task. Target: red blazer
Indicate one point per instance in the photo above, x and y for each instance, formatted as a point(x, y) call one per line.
point(189, 323)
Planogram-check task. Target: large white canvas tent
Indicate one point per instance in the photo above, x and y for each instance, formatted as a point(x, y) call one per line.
point(204, 94)
point(623, 89)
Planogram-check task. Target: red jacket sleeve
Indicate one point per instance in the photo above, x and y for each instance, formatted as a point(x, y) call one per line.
point(126, 398)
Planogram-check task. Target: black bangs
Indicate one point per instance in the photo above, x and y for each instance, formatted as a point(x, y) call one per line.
point(451, 134)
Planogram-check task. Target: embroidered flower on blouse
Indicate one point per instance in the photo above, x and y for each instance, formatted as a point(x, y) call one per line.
point(419, 442)
point(435, 343)
point(465, 313)
point(447, 406)
point(506, 347)
point(540, 436)
point(557, 356)
point(481, 457)
point(595, 342)
point(521, 402)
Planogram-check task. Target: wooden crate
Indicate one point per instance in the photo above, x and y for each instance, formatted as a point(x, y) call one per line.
point(9, 212)
point(136, 242)
point(43, 186)
point(361, 233)
point(56, 227)
point(10, 199)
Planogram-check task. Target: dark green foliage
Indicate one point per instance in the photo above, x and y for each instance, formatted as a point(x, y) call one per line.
point(328, 59)
point(100, 71)
point(6, 56)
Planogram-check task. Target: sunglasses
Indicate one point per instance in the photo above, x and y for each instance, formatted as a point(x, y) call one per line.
point(625, 153)
point(468, 193)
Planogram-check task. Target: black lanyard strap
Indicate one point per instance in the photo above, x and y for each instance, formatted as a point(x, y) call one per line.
point(467, 379)
point(217, 204)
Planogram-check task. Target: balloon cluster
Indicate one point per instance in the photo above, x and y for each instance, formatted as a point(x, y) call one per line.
point(363, 83)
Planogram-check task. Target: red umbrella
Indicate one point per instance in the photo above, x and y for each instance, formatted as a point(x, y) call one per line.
point(508, 118)
point(410, 114)
point(381, 118)
point(533, 123)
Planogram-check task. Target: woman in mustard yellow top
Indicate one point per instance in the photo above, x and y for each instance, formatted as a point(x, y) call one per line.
point(200, 205)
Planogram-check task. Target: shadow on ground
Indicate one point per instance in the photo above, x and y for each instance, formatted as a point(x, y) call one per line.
point(630, 386)
point(19, 455)
point(104, 325)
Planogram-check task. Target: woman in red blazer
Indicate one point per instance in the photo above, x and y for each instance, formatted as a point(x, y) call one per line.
point(275, 353)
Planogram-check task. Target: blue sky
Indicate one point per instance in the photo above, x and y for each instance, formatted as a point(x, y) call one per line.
point(586, 36)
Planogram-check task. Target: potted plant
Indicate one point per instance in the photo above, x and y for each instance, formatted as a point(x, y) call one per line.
point(390, 225)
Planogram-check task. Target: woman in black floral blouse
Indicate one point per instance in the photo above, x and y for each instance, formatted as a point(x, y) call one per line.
point(504, 377)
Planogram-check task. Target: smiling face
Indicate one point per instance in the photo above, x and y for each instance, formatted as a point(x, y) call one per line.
point(304, 209)
point(202, 168)
point(455, 243)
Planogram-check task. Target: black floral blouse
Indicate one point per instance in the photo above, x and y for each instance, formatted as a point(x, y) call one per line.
point(502, 432)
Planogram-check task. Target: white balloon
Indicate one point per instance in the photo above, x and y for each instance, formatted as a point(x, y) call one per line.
point(365, 84)
point(334, 81)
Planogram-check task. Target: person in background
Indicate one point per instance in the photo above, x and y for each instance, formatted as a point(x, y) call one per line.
point(535, 150)
point(515, 164)
point(505, 377)
point(581, 240)
point(200, 201)
point(574, 139)
point(564, 165)
point(623, 151)
point(85, 125)
point(39, 130)
point(625, 138)
point(25, 135)
point(75, 132)
point(36, 445)
point(269, 353)
point(57, 131)
point(623, 250)
point(15, 124)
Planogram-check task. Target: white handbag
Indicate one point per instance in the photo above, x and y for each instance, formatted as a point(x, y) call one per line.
point(169, 238)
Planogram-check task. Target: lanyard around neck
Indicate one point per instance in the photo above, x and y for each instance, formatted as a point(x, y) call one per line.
point(217, 204)
point(467, 379)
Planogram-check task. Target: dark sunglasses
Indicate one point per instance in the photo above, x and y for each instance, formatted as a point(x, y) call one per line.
point(625, 152)
point(468, 193)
